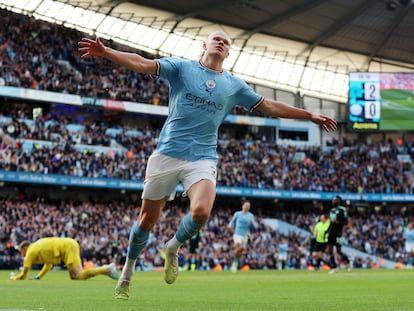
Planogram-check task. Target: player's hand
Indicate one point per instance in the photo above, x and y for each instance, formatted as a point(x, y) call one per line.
point(89, 47)
point(34, 278)
point(327, 123)
point(15, 277)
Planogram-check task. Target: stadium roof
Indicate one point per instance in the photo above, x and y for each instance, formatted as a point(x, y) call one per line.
point(378, 29)
point(301, 46)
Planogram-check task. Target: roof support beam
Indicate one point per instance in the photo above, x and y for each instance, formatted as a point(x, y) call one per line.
point(397, 20)
point(277, 19)
point(214, 5)
point(338, 26)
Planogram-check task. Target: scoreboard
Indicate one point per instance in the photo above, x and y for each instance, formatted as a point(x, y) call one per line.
point(381, 101)
point(364, 101)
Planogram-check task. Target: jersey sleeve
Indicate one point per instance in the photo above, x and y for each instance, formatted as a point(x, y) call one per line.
point(233, 221)
point(27, 265)
point(247, 97)
point(168, 68)
point(45, 269)
point(253, 224)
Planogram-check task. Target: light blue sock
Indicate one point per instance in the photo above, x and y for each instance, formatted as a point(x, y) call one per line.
point(138, 238)
point(187, 228)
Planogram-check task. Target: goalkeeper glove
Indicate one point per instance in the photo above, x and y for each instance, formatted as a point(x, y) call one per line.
point(36, 277)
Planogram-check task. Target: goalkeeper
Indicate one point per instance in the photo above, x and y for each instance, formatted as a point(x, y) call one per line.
point(52, 251)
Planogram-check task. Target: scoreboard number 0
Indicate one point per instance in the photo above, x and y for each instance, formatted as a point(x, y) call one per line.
point(372, 110)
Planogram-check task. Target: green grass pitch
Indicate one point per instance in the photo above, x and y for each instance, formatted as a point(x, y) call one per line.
point(202, 290)
point(397, 110)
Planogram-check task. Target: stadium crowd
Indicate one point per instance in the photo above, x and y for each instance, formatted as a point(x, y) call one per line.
point(102, 232)
point(341, 167)
point(38, 55)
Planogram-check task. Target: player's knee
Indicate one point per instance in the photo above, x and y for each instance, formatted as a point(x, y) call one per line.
point(146, 223)
point(200, 215)
point(200, 209)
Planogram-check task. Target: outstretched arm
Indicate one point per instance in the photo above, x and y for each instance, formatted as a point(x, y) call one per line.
point(45, 269)
point(133, 61)
point(22, 275)
point(279, 109)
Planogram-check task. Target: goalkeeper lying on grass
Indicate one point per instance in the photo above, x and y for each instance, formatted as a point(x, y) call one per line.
point(54, 250)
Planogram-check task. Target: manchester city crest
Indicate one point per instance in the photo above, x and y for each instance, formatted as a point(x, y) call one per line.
point(211, 84)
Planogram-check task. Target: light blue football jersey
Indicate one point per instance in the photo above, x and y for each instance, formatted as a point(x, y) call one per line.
point(200, 99)
point(409, 235)
point(242, 222)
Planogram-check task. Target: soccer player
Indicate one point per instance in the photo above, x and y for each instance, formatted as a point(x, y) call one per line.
point(320, 234)
point(282, 253)
point(202, 94)
point(339, 218)
point(409, 241)
point(193, 256)
point(241, 223)
point(52, 251)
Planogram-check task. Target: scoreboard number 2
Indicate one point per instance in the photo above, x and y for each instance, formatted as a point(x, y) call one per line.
point(372, 91)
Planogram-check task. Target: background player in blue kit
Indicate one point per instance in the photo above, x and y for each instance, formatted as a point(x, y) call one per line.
point(201, 96)
point(241, 223)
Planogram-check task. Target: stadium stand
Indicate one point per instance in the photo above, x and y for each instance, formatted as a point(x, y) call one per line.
point(76, 142)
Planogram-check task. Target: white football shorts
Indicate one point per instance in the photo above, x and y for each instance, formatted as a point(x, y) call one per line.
point(240, 239)
point(282, 256)
point(164, 173)
point(409, 247)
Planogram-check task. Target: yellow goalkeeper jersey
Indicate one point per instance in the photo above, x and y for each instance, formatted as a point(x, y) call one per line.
point(49, 252)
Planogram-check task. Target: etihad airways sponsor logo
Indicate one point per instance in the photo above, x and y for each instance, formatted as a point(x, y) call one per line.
point(203, 104)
